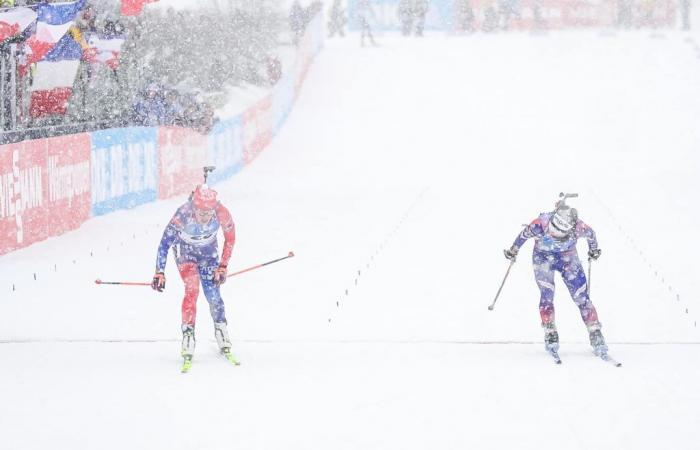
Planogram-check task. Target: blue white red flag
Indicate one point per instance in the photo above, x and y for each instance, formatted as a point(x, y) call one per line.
point(15, 21)
point(53, 22)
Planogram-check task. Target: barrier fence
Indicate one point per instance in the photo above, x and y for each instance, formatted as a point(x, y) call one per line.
point(53, 185)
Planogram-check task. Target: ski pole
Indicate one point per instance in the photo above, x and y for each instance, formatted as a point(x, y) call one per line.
point(131, 283)
point(260, 265)
point(588, 282)
point(122, 283)
point(512, 261)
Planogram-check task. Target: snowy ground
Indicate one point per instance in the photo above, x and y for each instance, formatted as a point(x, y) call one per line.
point(400, 176)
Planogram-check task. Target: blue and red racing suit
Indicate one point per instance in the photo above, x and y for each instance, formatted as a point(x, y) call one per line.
point(551, 255)
point(197, 257)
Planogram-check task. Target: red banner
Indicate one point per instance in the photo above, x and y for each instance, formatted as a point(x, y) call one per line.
point(68, 197)
point(44, 189)
point(181, 155)
point(257, 128)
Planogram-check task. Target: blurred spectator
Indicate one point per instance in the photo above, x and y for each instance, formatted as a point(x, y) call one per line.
point(490, 18)
point(336, 20)
point(624, 13)
point(508, 9)
point(365, 14)
point(685, 13)
point(149, 110)
point(274, 69)
point(174, 112)
point(420, 9)
point(405, 12)
point(86, 19)
point(465, 18)
point(297, 21)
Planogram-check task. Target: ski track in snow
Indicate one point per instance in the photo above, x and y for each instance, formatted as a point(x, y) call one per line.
point(401, 174)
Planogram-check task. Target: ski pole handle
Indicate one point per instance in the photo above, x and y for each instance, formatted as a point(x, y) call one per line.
point(502, 283)
point(291, 254)
point(122, 283)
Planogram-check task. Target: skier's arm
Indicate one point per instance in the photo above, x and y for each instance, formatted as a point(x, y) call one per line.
point(533, 229)
point(172, 230)
point(583, 230)
point(229, 230)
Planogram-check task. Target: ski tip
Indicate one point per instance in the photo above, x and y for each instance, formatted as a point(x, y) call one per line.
point(291, 254)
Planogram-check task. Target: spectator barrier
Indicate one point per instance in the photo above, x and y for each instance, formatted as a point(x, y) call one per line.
point(53, 185)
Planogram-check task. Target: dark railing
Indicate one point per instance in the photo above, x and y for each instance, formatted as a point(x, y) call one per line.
point(9, 137)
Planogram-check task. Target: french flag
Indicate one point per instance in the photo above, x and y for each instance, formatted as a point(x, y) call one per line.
point(53, 22)
point(15, 21)
point(52, 87)
point(54, 76)
point(105, 50)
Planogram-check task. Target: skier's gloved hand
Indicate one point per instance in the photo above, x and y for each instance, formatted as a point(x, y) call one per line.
point(594, 254)
point(220, 275)
point(511, 253)
point(158, 283)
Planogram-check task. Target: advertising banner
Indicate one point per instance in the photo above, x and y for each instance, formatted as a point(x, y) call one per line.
point(282, 101)
point(22, 184)
point(225, 149)
point(182, 153)
point(68, 174)
point(44, 189)
point(257, 129)
point(124, 168)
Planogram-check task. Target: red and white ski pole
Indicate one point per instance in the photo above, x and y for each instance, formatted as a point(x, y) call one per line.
point(260, 265)
point(132, 283)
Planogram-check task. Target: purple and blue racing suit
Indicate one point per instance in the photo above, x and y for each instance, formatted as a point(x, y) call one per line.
point(553, 254)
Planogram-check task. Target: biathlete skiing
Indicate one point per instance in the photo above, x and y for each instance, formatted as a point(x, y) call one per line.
point(556, 234)
point(192, 232)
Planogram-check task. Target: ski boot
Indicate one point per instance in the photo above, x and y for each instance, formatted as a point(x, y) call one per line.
point(551, 337)
point(597, 340)
point(222, 339)
point(188, 343)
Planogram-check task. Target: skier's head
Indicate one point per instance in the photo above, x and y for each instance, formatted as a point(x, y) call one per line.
point(563, 220)
point(204, 202)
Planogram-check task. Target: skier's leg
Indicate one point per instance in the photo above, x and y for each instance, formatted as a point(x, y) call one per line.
point(544, 275)
point(575, 280)
point(542, 265)
point(212, 291)
point(190, 276)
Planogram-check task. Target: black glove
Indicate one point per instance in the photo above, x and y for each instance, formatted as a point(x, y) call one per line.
point(158, 283)
point(511, 253)
point(594, 254)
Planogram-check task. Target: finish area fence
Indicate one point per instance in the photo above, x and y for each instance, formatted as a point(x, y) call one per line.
point(50, 186)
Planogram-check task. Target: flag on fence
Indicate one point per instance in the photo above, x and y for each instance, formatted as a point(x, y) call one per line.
point(53, 80)
point(15, 21)
point(53, 22)
point(69, 47)
point(52, 87)
point(105, 50)
point(134, 7)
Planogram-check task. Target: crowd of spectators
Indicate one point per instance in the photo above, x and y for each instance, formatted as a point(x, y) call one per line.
point(163, 105)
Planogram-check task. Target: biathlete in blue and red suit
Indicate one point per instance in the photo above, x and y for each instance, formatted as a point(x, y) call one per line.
point(555, 235)
point(192, 232)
